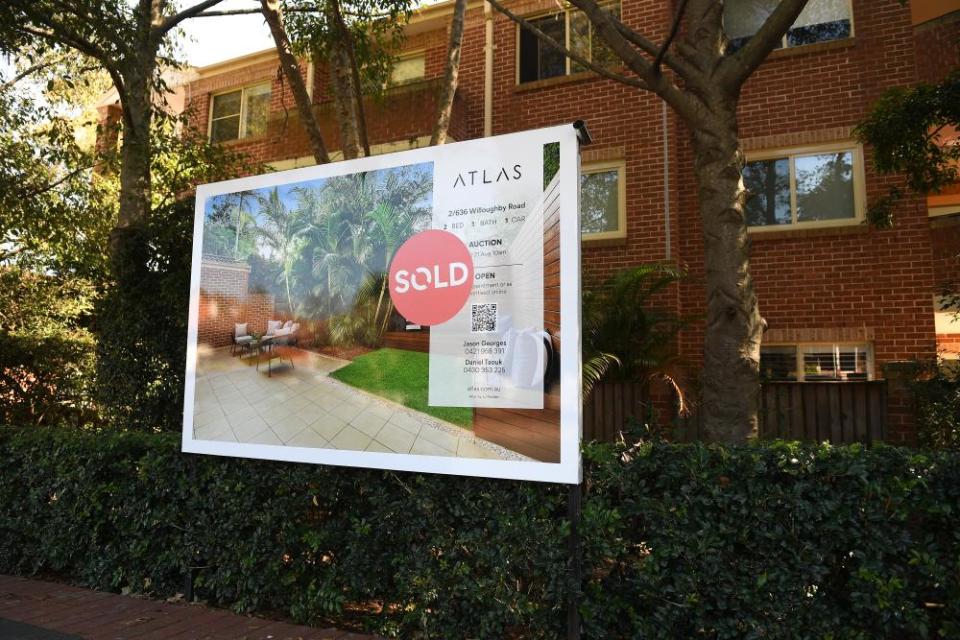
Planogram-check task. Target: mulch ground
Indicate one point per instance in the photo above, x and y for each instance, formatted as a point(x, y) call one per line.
point(39, 610)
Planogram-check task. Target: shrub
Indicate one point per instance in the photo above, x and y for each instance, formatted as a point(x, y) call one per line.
point(46, 351)
point(679, 541)
point(938, 408)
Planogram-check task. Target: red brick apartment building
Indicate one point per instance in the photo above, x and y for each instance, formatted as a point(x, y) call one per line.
point(842, 299)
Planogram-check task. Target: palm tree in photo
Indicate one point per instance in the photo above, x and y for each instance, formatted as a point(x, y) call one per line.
point(390, 228)
point(280, 230)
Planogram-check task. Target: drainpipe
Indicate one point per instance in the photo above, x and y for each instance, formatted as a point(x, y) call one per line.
point(666, 181)
point(488, 70)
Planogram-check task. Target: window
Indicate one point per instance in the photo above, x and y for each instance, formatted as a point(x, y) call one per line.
point(816, 362)
point(820, 21)
point(240, 113)
point(816, 187)
point(603, 201)
point(538, 60)
point(409, 68)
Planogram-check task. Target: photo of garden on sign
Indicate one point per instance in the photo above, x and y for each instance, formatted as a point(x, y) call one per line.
point(403, 311)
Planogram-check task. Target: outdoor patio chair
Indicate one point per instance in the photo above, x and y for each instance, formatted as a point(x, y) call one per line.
point(240, 338)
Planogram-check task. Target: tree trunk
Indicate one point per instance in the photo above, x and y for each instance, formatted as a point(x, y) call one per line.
point(291, 71)
point(344, 101)
point(347, 41)
point(450, 76)
point(731, 384)
point(135, 155)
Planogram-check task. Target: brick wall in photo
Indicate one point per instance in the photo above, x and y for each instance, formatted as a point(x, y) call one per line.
point(225, 302)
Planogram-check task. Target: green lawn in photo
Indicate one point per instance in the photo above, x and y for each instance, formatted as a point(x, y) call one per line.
point(401, 376)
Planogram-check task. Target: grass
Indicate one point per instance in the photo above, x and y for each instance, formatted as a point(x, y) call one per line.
point(401, 376)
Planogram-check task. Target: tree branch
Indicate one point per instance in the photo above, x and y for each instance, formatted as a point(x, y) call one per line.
point(248, 12)
point(633, 82)
point(683, 69)
point(187, 13)
point(451, 75)
point(681, 101)
point(738, 67)
point(674, 28)
point(58, 36)
point(271, 11)
point(30, 71)
point(32, 193)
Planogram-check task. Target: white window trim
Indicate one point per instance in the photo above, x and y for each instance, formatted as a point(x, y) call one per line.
point(803, 347)
point(242, 129)
point(790, 153)
point(785, 44)
point(407, 55)
point(945, 210)
point(621, 167)
point(567, 9)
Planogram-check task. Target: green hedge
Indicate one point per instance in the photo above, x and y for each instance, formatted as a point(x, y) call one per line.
point(679, 541)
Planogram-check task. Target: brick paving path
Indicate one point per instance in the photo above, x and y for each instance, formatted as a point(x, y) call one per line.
point(95, 615)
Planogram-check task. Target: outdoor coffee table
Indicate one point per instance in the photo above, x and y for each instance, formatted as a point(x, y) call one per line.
point(267, 347)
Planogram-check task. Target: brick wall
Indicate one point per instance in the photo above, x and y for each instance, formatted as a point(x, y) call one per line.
point(937, 43)
point(830, 282)
point(843, 278)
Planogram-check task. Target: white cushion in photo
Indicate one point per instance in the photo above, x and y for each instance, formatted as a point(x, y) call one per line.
point(239, 330)
point(273, 326)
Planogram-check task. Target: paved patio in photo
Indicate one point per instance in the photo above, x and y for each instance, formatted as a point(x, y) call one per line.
point(301, 406)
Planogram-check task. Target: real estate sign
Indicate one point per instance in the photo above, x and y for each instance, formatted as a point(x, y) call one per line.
point(415, 311)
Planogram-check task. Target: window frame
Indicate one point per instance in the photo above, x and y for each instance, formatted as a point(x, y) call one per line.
point(943, 210)
point(242, 127)
point(785, 40)
point(791, 153)
point(804, 347)
point(407, 55)
point(567, 9)
point(598, 167)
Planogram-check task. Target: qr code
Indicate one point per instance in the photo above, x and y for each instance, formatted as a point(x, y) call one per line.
point(484, 317)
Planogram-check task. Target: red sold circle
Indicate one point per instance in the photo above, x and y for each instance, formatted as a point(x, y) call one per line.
point(431, 277)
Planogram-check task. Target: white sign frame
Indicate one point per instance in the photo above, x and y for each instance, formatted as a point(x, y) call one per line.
point(568, 469)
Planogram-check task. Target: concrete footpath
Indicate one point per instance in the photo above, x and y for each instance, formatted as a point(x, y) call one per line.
point(37, 610)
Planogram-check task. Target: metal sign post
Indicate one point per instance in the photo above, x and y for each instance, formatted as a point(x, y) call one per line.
point(575, 493)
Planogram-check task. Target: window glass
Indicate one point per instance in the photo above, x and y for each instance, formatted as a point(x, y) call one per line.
point(819, 364)
point(743, 18)
point(820, 21)
point(227, 104)
point(572, 28)
point(778, 363)
point(550, 62)
point(825, 187)
point(835, 363)
point(579, 38)
point(225, 129)
point(256, 110)
point(600, 201)
point(769, 184)
point(600, 52)
point(408, 69)
point(239, 114)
